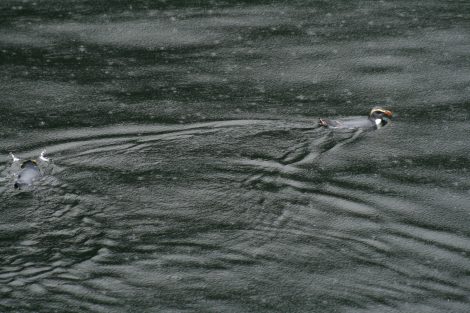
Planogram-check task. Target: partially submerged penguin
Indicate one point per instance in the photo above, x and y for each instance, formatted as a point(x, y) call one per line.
point(29, 172)
point(377, 118)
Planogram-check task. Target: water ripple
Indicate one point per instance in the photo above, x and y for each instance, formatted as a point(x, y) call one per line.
point(184, 209)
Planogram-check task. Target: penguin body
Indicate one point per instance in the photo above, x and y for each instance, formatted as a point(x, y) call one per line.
point(29, 173)
point(377, 118)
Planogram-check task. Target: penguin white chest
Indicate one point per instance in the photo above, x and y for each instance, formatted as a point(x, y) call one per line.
point(378, 123)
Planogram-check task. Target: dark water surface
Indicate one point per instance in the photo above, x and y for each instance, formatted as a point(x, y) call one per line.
point(189, 174)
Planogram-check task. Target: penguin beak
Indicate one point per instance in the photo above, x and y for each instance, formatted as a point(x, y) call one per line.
point(388, 113)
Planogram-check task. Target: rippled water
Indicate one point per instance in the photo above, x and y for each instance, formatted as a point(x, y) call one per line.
point(189, 174)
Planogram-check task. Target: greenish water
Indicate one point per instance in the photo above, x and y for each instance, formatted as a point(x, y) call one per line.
point(188, 173)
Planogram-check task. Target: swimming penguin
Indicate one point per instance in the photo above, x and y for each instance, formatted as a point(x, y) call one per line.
point(378, 118)
point(29, 172)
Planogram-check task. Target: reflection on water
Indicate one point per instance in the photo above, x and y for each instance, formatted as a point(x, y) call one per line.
point(189, 173)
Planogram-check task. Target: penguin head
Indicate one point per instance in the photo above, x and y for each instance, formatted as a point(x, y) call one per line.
point(28, 163)
point(381, 114)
